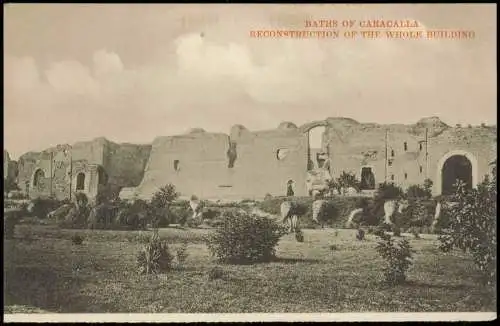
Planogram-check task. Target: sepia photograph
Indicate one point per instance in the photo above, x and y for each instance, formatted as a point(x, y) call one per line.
point(250, 162)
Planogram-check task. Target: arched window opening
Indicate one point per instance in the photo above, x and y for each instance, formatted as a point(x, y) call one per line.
point(405, 145)
point(80, 181)
point(289, 188)
point(38, 178)
point(176, 165)
point(367, 179)
point(316, 148)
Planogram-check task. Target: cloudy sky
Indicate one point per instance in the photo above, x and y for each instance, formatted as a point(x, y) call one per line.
point(133, 72)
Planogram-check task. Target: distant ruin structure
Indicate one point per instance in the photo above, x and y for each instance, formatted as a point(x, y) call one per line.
point(248, 164)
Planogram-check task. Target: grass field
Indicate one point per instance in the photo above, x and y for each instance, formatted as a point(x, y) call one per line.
point(46, 272)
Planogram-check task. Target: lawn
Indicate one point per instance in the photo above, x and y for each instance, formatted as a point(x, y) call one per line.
point(46, 272)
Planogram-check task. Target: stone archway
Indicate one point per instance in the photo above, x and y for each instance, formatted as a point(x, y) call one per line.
point(367, 178)
point(80, 181)
point(38, 178)
point(455, 165)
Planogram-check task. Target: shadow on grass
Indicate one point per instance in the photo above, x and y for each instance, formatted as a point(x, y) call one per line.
point(282, 260)
point(416, 284)
point(295, 260)
point(44, 288)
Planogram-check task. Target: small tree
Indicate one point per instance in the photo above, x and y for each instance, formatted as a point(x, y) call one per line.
point(398, 258)
point(155, 256)
point(333, 187)
point(428, 186)
point(244, 238)
point(472, 225)
point(387, 191)
point(419, 192)
point(160, 205)
point(346, 180)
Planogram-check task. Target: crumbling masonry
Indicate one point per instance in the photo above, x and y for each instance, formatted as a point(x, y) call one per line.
point(250, 164)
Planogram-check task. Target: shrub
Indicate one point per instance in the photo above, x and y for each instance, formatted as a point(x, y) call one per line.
point(215, 273)
point(160, 205)
point(372, 213)
point(396, 230)
point(387, 191)
point(418, 214)
point(155, 256)
point(398, 258)
point(181, 212)
point(77, 239)
point(102, 216)
point(381, 229)
point(131, 216)
point(40, 207)
point(245, 238)
point(329, 213)
point(9, 185)
point(473, 226)
point(215, 223)
point(360, 235)
point(299, 235)
point(414, 230)
point(370, 230)
point(78, 214)
point(181, 254)
point(11, 218)
point(346, 180)
point(418, 192)
point(210, 214)
point(106, 193)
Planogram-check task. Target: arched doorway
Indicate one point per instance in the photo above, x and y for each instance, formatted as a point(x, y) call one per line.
point(456, 165)
point(290, 191)
point(316, 155)
point(367, 178)
point(455, 168)
point(80, 181)
point(38, 178)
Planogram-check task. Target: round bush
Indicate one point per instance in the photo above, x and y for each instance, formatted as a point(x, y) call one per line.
point(244, 237)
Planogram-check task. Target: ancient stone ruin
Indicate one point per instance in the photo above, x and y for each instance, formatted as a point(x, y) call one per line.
point(247, 164)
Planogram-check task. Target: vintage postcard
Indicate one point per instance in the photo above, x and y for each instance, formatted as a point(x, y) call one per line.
point(250, 162)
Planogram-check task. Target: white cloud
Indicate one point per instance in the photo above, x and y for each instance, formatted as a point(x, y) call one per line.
point(225, 78)
point(71, 77)
point(20, 73)
point(106, 63)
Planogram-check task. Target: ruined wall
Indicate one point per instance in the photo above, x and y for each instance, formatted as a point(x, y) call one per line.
point(251, 164)
point(6, 160)
point(353, 145)
point(196, 163)
point(203, 164)
point(259, 171)
point(10, 168)
point(123, 164)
